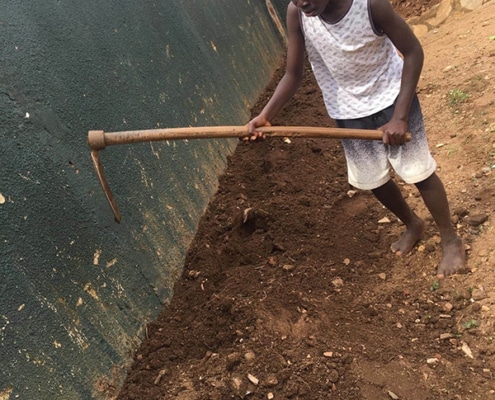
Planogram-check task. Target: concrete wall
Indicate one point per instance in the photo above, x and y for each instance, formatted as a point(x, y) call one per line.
point(77, 289)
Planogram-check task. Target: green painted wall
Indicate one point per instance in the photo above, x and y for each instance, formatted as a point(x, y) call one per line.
point(77, 289)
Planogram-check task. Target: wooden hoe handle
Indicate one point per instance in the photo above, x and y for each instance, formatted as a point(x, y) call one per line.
point(98, 140)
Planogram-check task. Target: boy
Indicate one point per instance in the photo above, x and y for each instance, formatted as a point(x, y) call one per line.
point(353, 48)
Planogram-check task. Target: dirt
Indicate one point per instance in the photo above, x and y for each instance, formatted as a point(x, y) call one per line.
point(290, 291)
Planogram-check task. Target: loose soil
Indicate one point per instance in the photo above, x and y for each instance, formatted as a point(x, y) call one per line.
point(290, 291)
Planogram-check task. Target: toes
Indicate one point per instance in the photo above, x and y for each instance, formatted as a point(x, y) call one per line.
point(443, 271)
point(395, 251)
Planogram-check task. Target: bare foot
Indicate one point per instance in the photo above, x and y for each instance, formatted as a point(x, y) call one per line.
point(453, 258)
point(409, 238)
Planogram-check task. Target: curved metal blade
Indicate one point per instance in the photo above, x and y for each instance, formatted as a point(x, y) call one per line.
point(104, 184)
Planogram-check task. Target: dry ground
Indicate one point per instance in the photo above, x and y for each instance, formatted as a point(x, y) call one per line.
point(290, 291)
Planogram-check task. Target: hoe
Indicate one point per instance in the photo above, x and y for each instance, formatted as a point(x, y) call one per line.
point(98, 140)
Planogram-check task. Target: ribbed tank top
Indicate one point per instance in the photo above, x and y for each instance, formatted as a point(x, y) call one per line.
point(358, 69)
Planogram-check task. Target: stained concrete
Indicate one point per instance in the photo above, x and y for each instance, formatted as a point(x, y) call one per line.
point(77, 289)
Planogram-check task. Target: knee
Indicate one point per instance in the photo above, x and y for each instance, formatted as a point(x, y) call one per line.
point(432, 182)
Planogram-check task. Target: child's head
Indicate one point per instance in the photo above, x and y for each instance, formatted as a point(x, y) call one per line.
point(312, 8)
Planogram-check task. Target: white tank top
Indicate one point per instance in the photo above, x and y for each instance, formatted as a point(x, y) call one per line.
point(357, 68)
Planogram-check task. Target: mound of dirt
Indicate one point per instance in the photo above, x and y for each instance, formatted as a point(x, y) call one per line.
point(409, 9)
point(289, 289)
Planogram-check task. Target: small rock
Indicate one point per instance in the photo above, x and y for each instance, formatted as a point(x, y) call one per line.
point(463, 295)
point(253, 379)
point(249, 356)
point(237, 386)
point(467, 351)
point(255, 218)
point(247, 214)
point(478, 294)
point(338, 282)
point(432, 360)
point(382, 276)
point(384, 220)
point(328, 354)
point(271, 380)
point(445, 336)
point(392, 395)
point(288, 267)
point(487, 373)
point(160, 375)
point(430, 246)
point(193, 274)
point(461, 212)
point(333, 376)
point(476, 220)
point(270, 396)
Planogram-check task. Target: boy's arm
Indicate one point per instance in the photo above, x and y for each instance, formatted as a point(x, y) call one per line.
point(290, 82)
point(401, 35)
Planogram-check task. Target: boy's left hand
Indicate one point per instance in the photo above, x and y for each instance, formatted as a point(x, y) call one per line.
point(394, 132)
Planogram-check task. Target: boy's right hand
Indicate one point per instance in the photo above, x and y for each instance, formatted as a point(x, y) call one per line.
point(255, 135)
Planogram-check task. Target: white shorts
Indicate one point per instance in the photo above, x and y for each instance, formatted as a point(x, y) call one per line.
point(369, 161)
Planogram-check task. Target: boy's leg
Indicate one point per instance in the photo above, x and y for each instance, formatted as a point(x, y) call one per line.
point(367, 164)
point(414, 164)
point(453, 252)
point(368, 169)
point(391, 197)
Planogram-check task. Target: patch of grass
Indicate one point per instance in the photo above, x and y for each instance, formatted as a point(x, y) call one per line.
point(434, 286)
point(471, 324)
point(456, 97)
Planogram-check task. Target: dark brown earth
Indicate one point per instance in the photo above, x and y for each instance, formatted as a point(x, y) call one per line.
point(289, 290)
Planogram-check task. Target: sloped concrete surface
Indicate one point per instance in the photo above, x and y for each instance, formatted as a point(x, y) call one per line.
point(77, 289)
